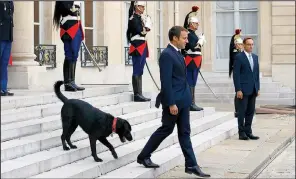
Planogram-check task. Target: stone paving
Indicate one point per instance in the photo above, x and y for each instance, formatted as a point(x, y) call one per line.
point(283, 166)
point(234, 158)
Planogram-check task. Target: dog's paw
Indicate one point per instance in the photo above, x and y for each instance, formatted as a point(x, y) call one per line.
point(66, 148)
point(115, 155)
point(73, 147)
point(98, 159)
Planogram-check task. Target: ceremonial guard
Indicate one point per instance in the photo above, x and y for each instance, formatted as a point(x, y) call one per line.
point(136, 33)
point(236, 46)
point(6, 38)
point(233, 49)
point(66, 17)
point(192, 53)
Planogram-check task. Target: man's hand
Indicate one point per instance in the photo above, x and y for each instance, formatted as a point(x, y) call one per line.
point(174, 109)
point(258, 93)
point(239, 95)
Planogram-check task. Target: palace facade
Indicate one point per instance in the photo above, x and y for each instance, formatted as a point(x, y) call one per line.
point(38, 51)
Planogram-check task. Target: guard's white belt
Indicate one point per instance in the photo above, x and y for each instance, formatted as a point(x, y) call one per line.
point(68, 17)
point(196, 52)
point(137, 37)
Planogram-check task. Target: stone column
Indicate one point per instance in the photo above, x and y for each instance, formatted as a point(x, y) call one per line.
point(265, 37)
point(22, 74)
point(207, 27)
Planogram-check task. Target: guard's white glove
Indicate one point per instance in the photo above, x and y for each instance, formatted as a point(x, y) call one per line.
point(201, 40)
point(75, 7)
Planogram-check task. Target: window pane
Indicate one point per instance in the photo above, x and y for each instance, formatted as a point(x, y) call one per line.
point(248, 22)
point(224, 23)
point(36, 11)
point(248, 5)
point(127, 6)
point(88, 13)
point(36, 35)
point(89, 37)
point(224, 5)
point(222, 47)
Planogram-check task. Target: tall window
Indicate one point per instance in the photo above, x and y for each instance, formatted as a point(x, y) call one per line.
point(89, 22)
point(125, 22)
point(231, 15)
point(37, 23)
point(159, 24)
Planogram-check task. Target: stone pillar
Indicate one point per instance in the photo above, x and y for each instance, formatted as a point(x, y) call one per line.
point(265, 37)
point(22, 74)
point(207, 27)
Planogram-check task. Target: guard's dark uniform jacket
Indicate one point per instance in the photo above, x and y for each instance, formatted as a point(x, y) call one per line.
point(69, 23)
point(193, 57)
point(232, 53)
point(6, 20)
point(138, 42)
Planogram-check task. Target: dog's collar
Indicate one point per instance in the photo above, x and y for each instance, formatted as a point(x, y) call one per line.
point(114, 125)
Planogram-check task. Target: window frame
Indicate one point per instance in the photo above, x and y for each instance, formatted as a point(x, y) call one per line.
point(93, 23)
point(40, 23)
point(236, 21)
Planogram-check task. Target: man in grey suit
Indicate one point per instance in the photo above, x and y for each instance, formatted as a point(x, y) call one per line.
point(247, 87)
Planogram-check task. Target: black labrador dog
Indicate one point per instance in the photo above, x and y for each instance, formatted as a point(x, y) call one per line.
point(96, 123)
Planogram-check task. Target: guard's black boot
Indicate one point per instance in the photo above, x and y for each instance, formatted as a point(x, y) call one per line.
point(67, 77)
point(193, 106)
point(73, 71)
point(137, 96)
point(140, 89)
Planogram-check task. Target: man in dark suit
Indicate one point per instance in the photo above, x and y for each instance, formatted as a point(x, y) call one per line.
point(6, 38)
point(175, 98)
point(247, 87)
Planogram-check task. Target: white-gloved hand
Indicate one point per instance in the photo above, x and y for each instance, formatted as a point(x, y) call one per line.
point(201, 39)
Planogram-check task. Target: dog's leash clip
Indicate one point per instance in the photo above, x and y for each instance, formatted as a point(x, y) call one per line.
point(111, 134)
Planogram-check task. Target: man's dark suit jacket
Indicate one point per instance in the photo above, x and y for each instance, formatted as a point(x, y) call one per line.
point(174, 86)
point(244, 78)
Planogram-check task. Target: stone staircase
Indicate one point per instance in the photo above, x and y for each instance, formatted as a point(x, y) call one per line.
point(31, 130)
point(272, 93)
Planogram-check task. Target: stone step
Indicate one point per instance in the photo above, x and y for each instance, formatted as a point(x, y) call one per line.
point(230, 84)
point(264, 101)
point(25, 98)
point(231, 95)
point(41, 111)
point(48, 139)
point(127, 153)
point(43, 161)
point(226, 79)
point(33, 126)
point(205, 89)
point(172, 156)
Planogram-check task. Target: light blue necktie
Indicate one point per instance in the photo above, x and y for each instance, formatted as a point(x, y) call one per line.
point(251, 61)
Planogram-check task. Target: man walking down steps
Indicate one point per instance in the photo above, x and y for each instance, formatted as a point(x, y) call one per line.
point(234, 158)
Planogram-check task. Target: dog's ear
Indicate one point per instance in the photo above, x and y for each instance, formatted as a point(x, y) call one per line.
point(129, 126)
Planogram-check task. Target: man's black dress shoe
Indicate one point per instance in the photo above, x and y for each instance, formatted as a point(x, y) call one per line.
point(6, 93)
point(196, 171)
point(252, 137)
point(147, 163)
point(243, 136)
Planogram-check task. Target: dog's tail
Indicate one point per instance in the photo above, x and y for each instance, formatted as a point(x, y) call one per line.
point(57, 91)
